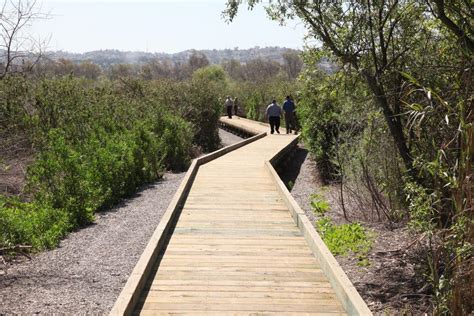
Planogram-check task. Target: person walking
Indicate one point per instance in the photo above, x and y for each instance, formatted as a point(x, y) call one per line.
point(229, 104)
point(289, 109)
point(273, 114)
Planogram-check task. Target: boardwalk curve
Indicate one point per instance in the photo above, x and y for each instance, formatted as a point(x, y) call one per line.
point(233, 241)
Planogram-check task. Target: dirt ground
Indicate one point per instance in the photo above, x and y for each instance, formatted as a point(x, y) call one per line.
point(390, 284)
point(15, 155)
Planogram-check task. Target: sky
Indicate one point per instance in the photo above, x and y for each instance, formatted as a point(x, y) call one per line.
point(168, 26)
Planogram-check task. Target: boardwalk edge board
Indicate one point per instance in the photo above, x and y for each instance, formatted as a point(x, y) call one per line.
point(130, 294)
point(345, 290)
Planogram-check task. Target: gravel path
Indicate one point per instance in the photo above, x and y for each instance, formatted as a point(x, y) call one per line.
point(86, 273)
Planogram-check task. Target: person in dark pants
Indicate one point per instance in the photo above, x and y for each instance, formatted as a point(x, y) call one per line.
point(290, 119)
point(229, 104)
point(273, 114)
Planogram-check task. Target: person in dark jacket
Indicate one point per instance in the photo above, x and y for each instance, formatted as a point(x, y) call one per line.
point(290, 111)
point(273, 114)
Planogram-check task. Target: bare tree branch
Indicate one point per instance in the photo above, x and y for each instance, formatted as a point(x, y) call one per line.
point(15, 17)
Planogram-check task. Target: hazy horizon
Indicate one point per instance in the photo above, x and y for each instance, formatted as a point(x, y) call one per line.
point(158, 26)
point(165, 53)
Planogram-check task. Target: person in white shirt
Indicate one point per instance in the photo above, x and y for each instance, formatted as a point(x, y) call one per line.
point(273, 115)
point(229, 104)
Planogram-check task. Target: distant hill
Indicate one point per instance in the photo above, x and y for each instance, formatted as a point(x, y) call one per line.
point(108, 57)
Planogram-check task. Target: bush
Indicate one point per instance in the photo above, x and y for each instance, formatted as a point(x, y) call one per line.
point(96, 173)
point(38, 225)
point(198, 101)
point(341, 239)
point(95, 144)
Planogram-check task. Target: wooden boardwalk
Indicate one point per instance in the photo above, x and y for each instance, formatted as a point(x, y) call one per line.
point(235, 248)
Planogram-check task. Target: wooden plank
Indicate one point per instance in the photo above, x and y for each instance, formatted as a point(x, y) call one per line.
point(241, 206)
point(229, 313)
point(241, 249)
point(323, 289)
point(185, 299)
point(236, 217)
point(268, 258)
point(250, 307)
point(258, 283)
point(172, 268)
point(243, 274)
point(243, 293)
point(240, 224)
point(237, 232)
point(240, 240)
point(246, 255)
point(239, 263)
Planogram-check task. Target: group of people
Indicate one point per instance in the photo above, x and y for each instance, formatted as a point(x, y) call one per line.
point(231, 105)
point(274, 113)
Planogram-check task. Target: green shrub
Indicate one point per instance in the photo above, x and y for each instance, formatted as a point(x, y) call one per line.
point(97, 142)
point(319, 205)
point(175, 143)
point(341, 239)
point(38, 225)
point(422, 207)
point(95, 174)
point(198, 101)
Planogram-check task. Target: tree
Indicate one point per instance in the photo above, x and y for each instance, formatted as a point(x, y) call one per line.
point(458, 17)
point(118, 71)
point(197, 60)
point(293, 63)
point(372, 38)
point(88, 69)
point(234, 69)
point(259, 70)
point(18, 51)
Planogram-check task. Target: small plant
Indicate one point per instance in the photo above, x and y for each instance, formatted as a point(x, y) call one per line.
point(319, 205)
point(341, 239)
point(290, 185)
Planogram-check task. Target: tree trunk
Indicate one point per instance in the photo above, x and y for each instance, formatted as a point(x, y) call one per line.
point(394, 125)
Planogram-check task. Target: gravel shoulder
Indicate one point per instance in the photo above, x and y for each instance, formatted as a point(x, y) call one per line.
point(86, 273)
point(90, 267)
